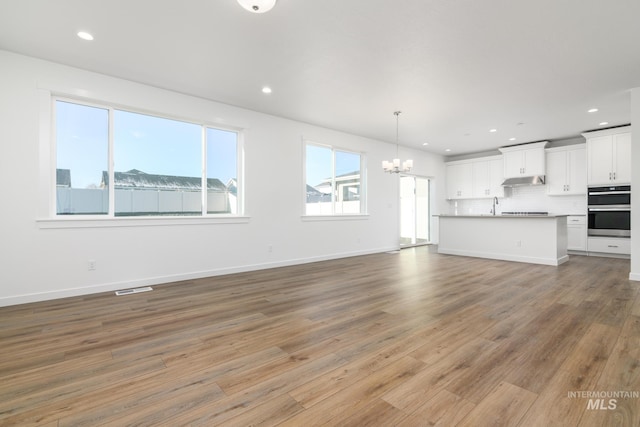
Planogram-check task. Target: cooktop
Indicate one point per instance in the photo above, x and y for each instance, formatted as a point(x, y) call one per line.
point(526, 213)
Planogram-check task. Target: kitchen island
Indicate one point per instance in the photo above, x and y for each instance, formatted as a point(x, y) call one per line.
point(537, 239)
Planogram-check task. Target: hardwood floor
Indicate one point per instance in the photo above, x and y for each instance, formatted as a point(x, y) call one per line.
point(405, 339)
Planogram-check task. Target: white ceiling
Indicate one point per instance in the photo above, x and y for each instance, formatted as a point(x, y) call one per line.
point(456, 68)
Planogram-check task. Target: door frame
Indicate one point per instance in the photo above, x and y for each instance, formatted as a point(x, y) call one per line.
point(428, 216)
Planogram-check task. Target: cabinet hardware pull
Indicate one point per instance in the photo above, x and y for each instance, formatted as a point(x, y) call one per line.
point(612, 246)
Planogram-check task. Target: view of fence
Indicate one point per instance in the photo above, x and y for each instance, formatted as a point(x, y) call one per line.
point(132, 202)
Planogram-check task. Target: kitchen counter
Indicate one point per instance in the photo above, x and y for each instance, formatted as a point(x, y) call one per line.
point(504, 216)
point(537, 239)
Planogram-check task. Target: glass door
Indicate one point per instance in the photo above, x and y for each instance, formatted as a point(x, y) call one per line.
point(414, 211)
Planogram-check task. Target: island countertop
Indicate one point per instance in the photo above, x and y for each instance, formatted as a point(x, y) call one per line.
point(501, 216)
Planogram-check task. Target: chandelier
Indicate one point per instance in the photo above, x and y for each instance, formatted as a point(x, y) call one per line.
point(257, 6)
point(394, 165)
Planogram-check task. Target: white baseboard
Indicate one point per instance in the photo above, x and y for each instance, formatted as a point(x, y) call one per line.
point(114, 286)
point(609, 255)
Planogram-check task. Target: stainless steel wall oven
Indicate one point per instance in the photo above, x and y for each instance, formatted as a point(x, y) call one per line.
point(609, 211)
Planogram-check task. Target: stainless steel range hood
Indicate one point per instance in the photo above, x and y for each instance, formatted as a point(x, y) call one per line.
point(524, 180)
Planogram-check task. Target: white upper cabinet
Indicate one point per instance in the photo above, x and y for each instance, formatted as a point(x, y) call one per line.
point(475, 179)
point(487, 177)
point(524, 160)
point(566, 170)
point(459, 181)
point(481, 179)
point(609, 156)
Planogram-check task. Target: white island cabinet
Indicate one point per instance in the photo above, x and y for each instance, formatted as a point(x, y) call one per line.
point(522, 238)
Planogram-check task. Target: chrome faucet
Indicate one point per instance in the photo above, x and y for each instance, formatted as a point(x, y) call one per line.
point(495, 202)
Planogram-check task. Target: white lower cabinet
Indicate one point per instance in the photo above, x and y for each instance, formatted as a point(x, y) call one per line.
point(577, 233)
point(609, 245)
point(577, 239)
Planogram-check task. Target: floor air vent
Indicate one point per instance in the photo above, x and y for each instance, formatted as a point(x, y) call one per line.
point(134, 291)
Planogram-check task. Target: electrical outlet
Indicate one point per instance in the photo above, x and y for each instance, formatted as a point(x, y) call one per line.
point(270, 248)
point(91, 264)
point(519, 243)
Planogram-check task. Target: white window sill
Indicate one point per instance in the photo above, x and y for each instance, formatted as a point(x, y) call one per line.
point(97, 222)
point(347, 217)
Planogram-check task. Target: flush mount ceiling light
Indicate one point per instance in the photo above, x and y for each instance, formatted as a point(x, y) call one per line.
point(604, 123)
point(84, 35)
point(592, 110)
point(493, 130)
point(266, 90)
point(257, 6)
point(394, 165)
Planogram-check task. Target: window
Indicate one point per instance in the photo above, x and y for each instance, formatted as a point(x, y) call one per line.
point(158, 167)
point(82, 154)
point(333, 181)
point(222, 160)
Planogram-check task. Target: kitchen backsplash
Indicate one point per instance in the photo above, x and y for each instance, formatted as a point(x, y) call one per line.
point(519, 199)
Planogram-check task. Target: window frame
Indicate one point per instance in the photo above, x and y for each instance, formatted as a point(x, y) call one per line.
point(363, 184)
point(48, 146)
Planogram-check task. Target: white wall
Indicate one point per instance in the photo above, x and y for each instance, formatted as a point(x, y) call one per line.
point(42, 263)
point(635, 184)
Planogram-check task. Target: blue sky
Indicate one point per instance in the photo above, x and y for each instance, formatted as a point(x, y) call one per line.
point(319, 163)
point(159, 146)
point(150, 144)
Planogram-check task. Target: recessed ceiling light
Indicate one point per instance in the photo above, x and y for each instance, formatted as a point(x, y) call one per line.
point(493, 130)
point(512, 139)
point(266, 89)
point(85, 36)
point(257, 6)
point(604, 123)
point(447, 150)
point(425, 143)
point(592, 110)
